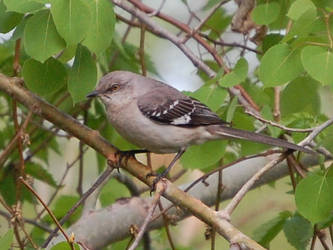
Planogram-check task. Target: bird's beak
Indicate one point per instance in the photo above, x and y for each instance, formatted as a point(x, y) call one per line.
point(93, 94)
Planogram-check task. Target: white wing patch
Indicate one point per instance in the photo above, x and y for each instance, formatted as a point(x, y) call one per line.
point(185, 119)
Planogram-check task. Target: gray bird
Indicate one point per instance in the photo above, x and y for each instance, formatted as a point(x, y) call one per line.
point(160, 119)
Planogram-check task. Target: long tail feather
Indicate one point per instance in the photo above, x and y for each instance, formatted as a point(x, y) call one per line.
point(228, 132)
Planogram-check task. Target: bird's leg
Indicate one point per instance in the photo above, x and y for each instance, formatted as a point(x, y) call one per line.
point(127, 154)
point(165, 172)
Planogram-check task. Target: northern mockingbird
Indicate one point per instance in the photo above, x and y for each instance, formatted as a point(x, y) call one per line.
point(160, 119)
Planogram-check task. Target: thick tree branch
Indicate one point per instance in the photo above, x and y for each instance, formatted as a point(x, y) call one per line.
point(101, 227)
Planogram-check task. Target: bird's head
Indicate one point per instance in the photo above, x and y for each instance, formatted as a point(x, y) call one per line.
point(115, 88)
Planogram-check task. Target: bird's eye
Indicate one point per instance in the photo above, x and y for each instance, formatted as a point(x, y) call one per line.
point(113, 88)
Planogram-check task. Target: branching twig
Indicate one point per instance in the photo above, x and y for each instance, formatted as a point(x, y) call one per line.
point(315, 132)
point(277, 112)
point(70, 242)
point(84, 196)
point(203, 21)
point(10, 147)
point(227, 211)
point(230, 44)
point(278, 125)
point(160, 187)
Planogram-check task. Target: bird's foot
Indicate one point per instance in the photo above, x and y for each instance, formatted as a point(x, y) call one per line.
point(158, 177)
point(126, 155)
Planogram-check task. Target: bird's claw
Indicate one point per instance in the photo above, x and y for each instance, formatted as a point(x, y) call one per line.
point(158, 178)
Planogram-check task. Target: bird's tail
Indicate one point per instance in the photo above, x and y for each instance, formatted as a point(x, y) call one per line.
point(228, 132)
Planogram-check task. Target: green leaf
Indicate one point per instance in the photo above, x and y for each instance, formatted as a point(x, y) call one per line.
point(100, 32)
point(19, 30)
point(279, 65)
point(327, 141)
point(7, 239)
point(22, 6)
point(71, 17)
point(217, 23)
point(63, 204)
point(307, 97)
point(300, 7)
point(298, 231)
point(65, 246)
point(266, 13)
point(41, 39)
point(318, 62)
point(236, 76)
point(112, 191)
point(46, 78)
point(313, 196)
point(205, 155)
point(83, 75)
point(40, 173)
point(266, 232)
point(8, 20)
point(211, 95)
point(303, 25)
point(270, 40)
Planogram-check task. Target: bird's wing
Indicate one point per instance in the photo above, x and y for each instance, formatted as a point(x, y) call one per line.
point(174, 108)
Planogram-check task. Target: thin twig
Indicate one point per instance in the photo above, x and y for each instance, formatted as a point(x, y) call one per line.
point(217, 204)
point(166, 226)
point(29, 221)
point(205, 176)
point(277, 112)
point(81, 145)
point(11, 145)
point(203, 21)
point(313, 241)
point(291, 174)
point(157, 10)
point(160, 187)
point(315, 132)
point(70, 242)
point(84, 196)
point(222, 43)
point(278, 125)
point(291, 159)
point(227, 211)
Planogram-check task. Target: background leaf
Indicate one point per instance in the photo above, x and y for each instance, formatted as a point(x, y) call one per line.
point(266, 13)
point(45, 78)
point(237, 75)
point(8, 20)
point(211, 95)
point(100, 32)
point(41, 39)
point(22, 6)
point(299, 8)
point(266, 232)
point(317, 62)
point(65, 246)
point(72, 18)
point(313, 196)
point(83, 75)
point(307, 98)
point(7, 239)
point(298, 231)
point(279, 65)
point(205, 155)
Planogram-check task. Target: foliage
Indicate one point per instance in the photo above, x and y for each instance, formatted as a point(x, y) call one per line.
point(64, 46)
